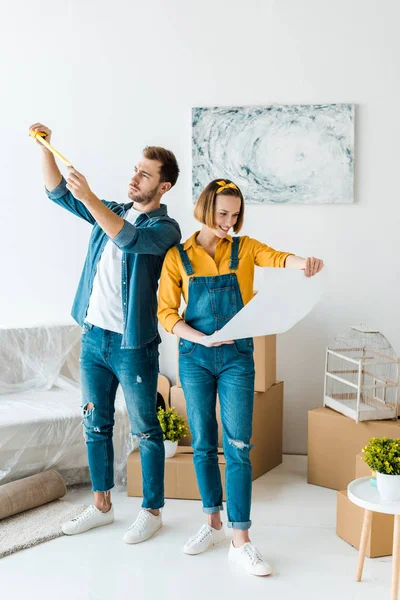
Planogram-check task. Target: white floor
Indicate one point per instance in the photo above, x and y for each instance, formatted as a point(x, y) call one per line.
point(294, 527)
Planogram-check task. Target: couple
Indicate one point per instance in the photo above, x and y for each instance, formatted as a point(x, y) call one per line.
point(116, 305)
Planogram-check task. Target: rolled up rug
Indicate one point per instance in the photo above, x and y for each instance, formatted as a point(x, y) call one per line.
point(30, 492)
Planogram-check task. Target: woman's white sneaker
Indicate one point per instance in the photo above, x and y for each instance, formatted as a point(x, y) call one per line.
point(143, 528)
point(206, 537)
point(90, 518)
point(250, 559)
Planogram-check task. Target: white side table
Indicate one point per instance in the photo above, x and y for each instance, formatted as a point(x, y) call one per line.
point(363, 494)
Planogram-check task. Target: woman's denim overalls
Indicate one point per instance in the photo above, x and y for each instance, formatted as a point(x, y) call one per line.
point(228, 370)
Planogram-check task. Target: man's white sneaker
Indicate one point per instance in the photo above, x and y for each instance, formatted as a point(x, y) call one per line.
point(250, 559)
point(206, 537)
point(90, 518)
point(143, 528)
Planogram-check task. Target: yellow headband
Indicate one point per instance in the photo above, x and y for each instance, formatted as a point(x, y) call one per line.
point(225, 185)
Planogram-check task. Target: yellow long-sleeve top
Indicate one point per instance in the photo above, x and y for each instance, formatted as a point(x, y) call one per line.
point(174, 281)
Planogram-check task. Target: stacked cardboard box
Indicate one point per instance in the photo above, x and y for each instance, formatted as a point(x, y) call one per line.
point(334, 440)
point(349, 520)
point(180, 478)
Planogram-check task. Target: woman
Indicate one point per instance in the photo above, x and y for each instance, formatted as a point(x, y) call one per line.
point(214, 273)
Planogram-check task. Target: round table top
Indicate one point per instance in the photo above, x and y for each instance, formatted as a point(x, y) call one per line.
point(363, 494)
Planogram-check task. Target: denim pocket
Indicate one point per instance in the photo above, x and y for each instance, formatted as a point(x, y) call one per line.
point(186, 347)
point(223, 302)
point(244, 347)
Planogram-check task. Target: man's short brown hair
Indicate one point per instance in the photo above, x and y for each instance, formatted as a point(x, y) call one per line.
point(169, 170)
point(204, 210)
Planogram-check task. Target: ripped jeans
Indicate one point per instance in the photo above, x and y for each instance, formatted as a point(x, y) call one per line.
point(228, 370)
point(103, 365)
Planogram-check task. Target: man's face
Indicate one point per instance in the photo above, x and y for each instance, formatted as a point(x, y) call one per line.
point(145, 184)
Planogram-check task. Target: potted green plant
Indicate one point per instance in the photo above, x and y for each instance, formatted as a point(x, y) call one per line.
point(174, 428)
point(382, 455)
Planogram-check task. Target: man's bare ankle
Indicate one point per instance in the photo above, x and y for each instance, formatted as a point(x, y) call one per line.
point(104, 508)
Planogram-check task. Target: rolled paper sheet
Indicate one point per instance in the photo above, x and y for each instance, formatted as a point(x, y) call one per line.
point(33, 491)
point(40, 136)
point(285, 296)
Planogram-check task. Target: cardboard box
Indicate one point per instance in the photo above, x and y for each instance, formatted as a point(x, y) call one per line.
point(180, 477)
point(267, 437)
point(334, 440)
point(267, 426)
point(264, 363)
point(349, 520)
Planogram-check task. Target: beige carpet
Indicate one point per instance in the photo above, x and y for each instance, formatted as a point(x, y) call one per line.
point(35, 526)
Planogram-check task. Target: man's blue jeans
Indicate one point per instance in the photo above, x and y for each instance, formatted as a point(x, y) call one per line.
point(228, 370)
point(103, 366)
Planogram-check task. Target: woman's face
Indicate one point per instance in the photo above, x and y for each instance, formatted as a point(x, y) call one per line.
point(226, 214)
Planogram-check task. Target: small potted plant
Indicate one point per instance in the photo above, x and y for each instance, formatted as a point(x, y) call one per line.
point(382, 455)
point(174, 428)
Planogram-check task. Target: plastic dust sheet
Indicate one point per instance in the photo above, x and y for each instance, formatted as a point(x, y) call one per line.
point(40, 406)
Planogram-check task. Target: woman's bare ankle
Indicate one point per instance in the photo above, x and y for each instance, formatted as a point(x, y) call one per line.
point(240, 537)
point(214, 520)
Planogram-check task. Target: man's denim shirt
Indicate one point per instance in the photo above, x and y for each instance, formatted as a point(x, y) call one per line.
point(143, 246)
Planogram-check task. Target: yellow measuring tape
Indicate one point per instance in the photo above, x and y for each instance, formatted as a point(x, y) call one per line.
point(39, 135)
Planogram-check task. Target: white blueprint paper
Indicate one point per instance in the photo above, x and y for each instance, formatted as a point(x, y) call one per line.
point(285, 297)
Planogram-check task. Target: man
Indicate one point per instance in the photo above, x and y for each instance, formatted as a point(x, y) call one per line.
point(116, 304)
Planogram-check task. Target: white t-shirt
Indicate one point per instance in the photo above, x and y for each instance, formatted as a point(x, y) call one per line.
point(105, 304)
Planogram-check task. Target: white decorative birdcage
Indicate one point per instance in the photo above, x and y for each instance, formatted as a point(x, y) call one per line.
point(362, 375)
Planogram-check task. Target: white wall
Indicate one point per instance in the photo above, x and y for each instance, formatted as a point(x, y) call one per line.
point(111, 77)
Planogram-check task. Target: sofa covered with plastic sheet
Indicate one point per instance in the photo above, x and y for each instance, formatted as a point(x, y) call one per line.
point(40, 406)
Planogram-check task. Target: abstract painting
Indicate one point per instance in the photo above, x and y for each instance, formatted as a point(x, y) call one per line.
point(278, 154)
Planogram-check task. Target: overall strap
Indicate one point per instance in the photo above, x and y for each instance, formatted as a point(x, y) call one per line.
point(185, 260)
point(235, 254)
